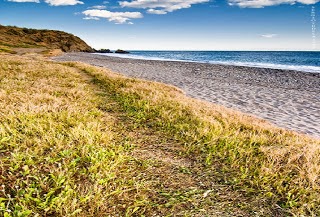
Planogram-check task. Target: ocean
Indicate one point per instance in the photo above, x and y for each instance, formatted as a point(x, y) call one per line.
point(293, 60)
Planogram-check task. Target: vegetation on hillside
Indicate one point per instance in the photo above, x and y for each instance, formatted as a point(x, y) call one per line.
point(77, 140)
point(14, 37)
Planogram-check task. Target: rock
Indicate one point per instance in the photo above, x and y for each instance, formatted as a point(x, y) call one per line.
point(122, 51)
point(103, 51)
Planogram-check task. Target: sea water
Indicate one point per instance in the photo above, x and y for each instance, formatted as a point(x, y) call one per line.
point(307, 61)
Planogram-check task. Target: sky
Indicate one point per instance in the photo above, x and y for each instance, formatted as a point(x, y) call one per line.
point(175, 24)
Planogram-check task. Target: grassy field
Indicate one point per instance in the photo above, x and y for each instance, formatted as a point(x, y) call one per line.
point(77, 140)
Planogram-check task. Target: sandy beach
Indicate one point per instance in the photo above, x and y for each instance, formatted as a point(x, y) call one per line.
point(288, 99)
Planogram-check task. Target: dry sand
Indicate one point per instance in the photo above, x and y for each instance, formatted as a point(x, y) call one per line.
point(289, 99)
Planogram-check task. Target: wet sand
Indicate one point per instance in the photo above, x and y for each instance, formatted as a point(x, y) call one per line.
point(286, 98)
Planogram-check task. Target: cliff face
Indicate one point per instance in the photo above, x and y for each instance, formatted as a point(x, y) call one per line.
point(16, 37)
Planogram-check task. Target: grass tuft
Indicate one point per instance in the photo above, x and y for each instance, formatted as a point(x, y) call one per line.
point(4, 49)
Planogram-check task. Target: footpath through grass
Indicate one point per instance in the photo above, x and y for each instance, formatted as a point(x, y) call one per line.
point(77, 140)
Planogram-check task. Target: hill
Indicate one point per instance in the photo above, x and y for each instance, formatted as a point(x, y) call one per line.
point(14, 37)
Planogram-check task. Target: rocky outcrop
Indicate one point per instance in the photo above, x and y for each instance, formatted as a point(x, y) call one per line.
point(11, 36)
point(121, 51)
point(103, 51)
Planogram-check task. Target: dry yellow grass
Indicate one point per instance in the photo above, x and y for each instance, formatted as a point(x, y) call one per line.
point(77, 140)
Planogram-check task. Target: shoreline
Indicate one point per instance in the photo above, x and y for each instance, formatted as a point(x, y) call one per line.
point(303, 68)
point(289, 99)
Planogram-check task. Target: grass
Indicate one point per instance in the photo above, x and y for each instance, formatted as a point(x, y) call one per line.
point(4, 49)
point(77, 140)
point(23, 45)
point(16, 38)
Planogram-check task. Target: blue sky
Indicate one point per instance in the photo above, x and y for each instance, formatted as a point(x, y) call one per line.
point(173, 24)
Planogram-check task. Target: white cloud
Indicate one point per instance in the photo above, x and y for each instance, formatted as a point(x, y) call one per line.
point(161, 6)
point(36, 1)
point(117, 17)
point(269, 35)
point(53, 2)
point(154, 11)
point(91, 18)
point(63, 2)
point(264, 3)
point(100, 7)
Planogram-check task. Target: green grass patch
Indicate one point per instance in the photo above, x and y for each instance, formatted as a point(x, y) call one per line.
point(7, 50)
